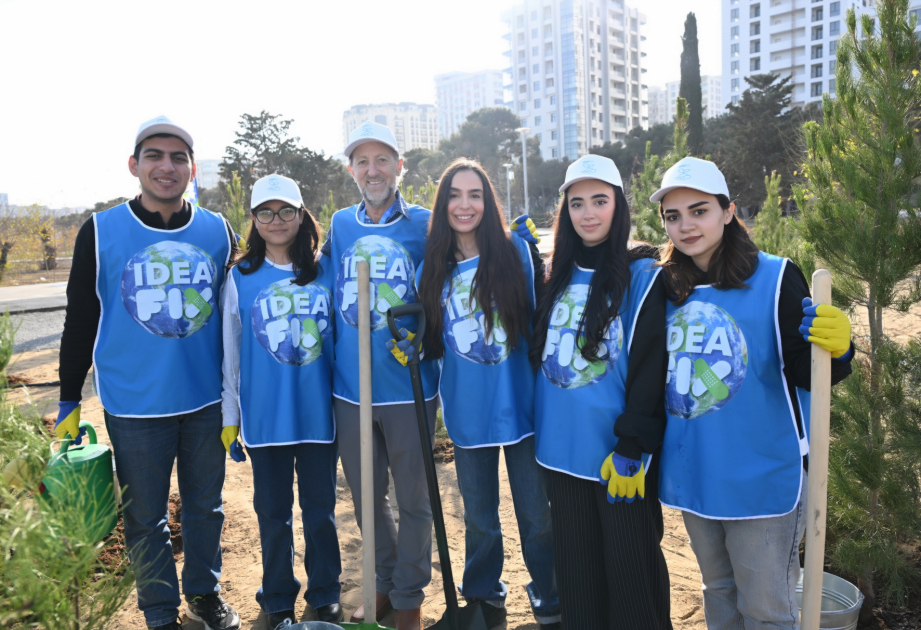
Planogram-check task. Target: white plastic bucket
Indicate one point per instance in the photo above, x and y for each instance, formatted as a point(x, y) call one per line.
point(841, 602)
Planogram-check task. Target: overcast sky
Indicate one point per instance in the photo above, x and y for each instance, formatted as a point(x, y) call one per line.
point(77, 77)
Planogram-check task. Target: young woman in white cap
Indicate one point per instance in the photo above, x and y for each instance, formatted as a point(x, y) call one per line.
point(277, 396)
point(739, 325)
point(600, 348)
point(477, 285)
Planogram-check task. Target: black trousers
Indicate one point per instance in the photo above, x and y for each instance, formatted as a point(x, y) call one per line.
point(610, 569)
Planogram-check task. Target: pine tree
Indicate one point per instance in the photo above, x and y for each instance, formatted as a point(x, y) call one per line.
point(690, 85)
point(862, 167)
point(649, 226)
point(236, 212)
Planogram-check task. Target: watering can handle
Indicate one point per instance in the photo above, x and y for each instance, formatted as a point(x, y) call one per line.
point(65, 444)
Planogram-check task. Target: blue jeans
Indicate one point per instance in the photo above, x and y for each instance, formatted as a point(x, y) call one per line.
point(145, 449)
point(749, 569)
point(478, 480)
point(273, 497)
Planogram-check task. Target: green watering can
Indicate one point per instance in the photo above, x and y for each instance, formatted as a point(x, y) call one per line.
point(81, 477)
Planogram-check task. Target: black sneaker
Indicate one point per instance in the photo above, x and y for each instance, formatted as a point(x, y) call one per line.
point(279, 620)
point(173, 625)
point(212, 611)
point(493, 615)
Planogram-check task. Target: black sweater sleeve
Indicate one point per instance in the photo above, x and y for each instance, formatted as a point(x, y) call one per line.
point(796, 351)
point(641, 427)
point(81, 317)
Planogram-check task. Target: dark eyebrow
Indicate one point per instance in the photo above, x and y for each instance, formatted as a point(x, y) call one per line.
point(697, 205)
point(178, 153)
point(601, 196)
point(667, 210)
point(152, 150)
point(479, 190)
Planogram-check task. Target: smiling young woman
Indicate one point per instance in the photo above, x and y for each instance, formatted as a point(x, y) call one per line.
point(478, 289)
point(733, 456)
point(599, 412)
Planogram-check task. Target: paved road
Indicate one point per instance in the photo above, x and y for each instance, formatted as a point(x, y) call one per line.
point(39, 331)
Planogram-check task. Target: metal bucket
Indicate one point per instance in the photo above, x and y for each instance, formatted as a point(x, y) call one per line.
point(841, 602)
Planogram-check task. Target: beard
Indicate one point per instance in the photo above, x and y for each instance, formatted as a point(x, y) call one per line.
point(375, 201)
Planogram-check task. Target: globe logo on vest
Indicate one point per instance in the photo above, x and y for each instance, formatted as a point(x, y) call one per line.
point(168, 288)
point(707, 360)
point(292, 322)
point(562, 362)
point(464, 324)
point(392, 278)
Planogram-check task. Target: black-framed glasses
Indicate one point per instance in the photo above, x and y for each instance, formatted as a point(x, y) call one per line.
point(265, 215)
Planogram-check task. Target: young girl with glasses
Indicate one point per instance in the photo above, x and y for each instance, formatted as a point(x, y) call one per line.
point(739, 327)
point(277, 398)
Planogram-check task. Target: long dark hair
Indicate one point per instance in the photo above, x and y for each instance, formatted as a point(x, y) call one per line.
point(499, 277)
point(302, 252)
point(733, 261)
point(609, 284)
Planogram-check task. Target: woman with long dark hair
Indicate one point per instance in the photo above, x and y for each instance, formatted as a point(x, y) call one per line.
point(277, 397)
point(600, 347)
point(740, 326)
point(477, 287)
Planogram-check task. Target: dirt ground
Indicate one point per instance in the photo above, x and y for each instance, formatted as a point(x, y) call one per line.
point(242, 571)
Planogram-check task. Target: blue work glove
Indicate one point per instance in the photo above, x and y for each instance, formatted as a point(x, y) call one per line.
point(68, 422)
point(827, 327)
point(525, 228)
point(624, 477)
point(230, 436)
point(402, 350)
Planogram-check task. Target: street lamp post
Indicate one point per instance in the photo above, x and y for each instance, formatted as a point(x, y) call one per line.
point(524, 163)
point(508, 190)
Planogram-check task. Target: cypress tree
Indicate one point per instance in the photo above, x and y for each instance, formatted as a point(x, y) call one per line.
point(690, 85)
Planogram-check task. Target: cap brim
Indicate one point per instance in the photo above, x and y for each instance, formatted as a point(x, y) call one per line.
point(297, 203)
point(357, 143)
point(580, 179)
point(172, 130)
point(659, 194)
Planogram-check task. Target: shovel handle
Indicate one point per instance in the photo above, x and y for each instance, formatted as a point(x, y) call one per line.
point(401, 311)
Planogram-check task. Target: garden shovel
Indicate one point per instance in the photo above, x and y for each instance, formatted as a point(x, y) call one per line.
point(455, 618)
point(368, 565)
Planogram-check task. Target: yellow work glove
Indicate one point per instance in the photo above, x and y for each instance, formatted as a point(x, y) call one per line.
point(524, 227)
point(402, 350)
point(624, 477)
point(68, 422)
point(230, 436)
point(827, 327)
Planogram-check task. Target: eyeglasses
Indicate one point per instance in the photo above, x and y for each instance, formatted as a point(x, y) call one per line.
point(267, 216)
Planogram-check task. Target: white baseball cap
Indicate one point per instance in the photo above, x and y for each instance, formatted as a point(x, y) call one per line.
point(161, 124)
point(275, 187)
point(370, 131)
point(592, 167)
point(691, 172)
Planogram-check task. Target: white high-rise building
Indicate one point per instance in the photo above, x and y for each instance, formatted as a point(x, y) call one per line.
point(414, 126)
point(208, 173)
point(662, 108)
point(4, 201)
point(457, 94)
point(577, 72)
point(795, 38)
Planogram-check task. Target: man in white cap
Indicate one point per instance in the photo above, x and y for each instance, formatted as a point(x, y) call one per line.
point(142, 309)
point(390, 234)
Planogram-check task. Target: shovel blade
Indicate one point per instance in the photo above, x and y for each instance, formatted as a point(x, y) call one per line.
point(468, 618)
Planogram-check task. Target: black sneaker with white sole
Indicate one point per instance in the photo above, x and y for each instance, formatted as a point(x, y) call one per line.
point(212, 611)
point(281, 620)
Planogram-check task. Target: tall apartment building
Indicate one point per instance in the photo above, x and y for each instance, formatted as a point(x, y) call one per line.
point(208, 173)
point(797, 38)
point(576, 69)
point(662, 100)
point(414, 126)
point(4, 201)
point(457, 94)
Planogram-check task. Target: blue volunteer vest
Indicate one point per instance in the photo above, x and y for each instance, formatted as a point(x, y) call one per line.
point(487, 389)
point(394, 252)
point(158, 350)
point(286, 364)
point(732, 447)
point(577, 402)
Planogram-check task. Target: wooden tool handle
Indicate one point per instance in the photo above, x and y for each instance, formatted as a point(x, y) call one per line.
point(817, 495)
point(368, 566)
